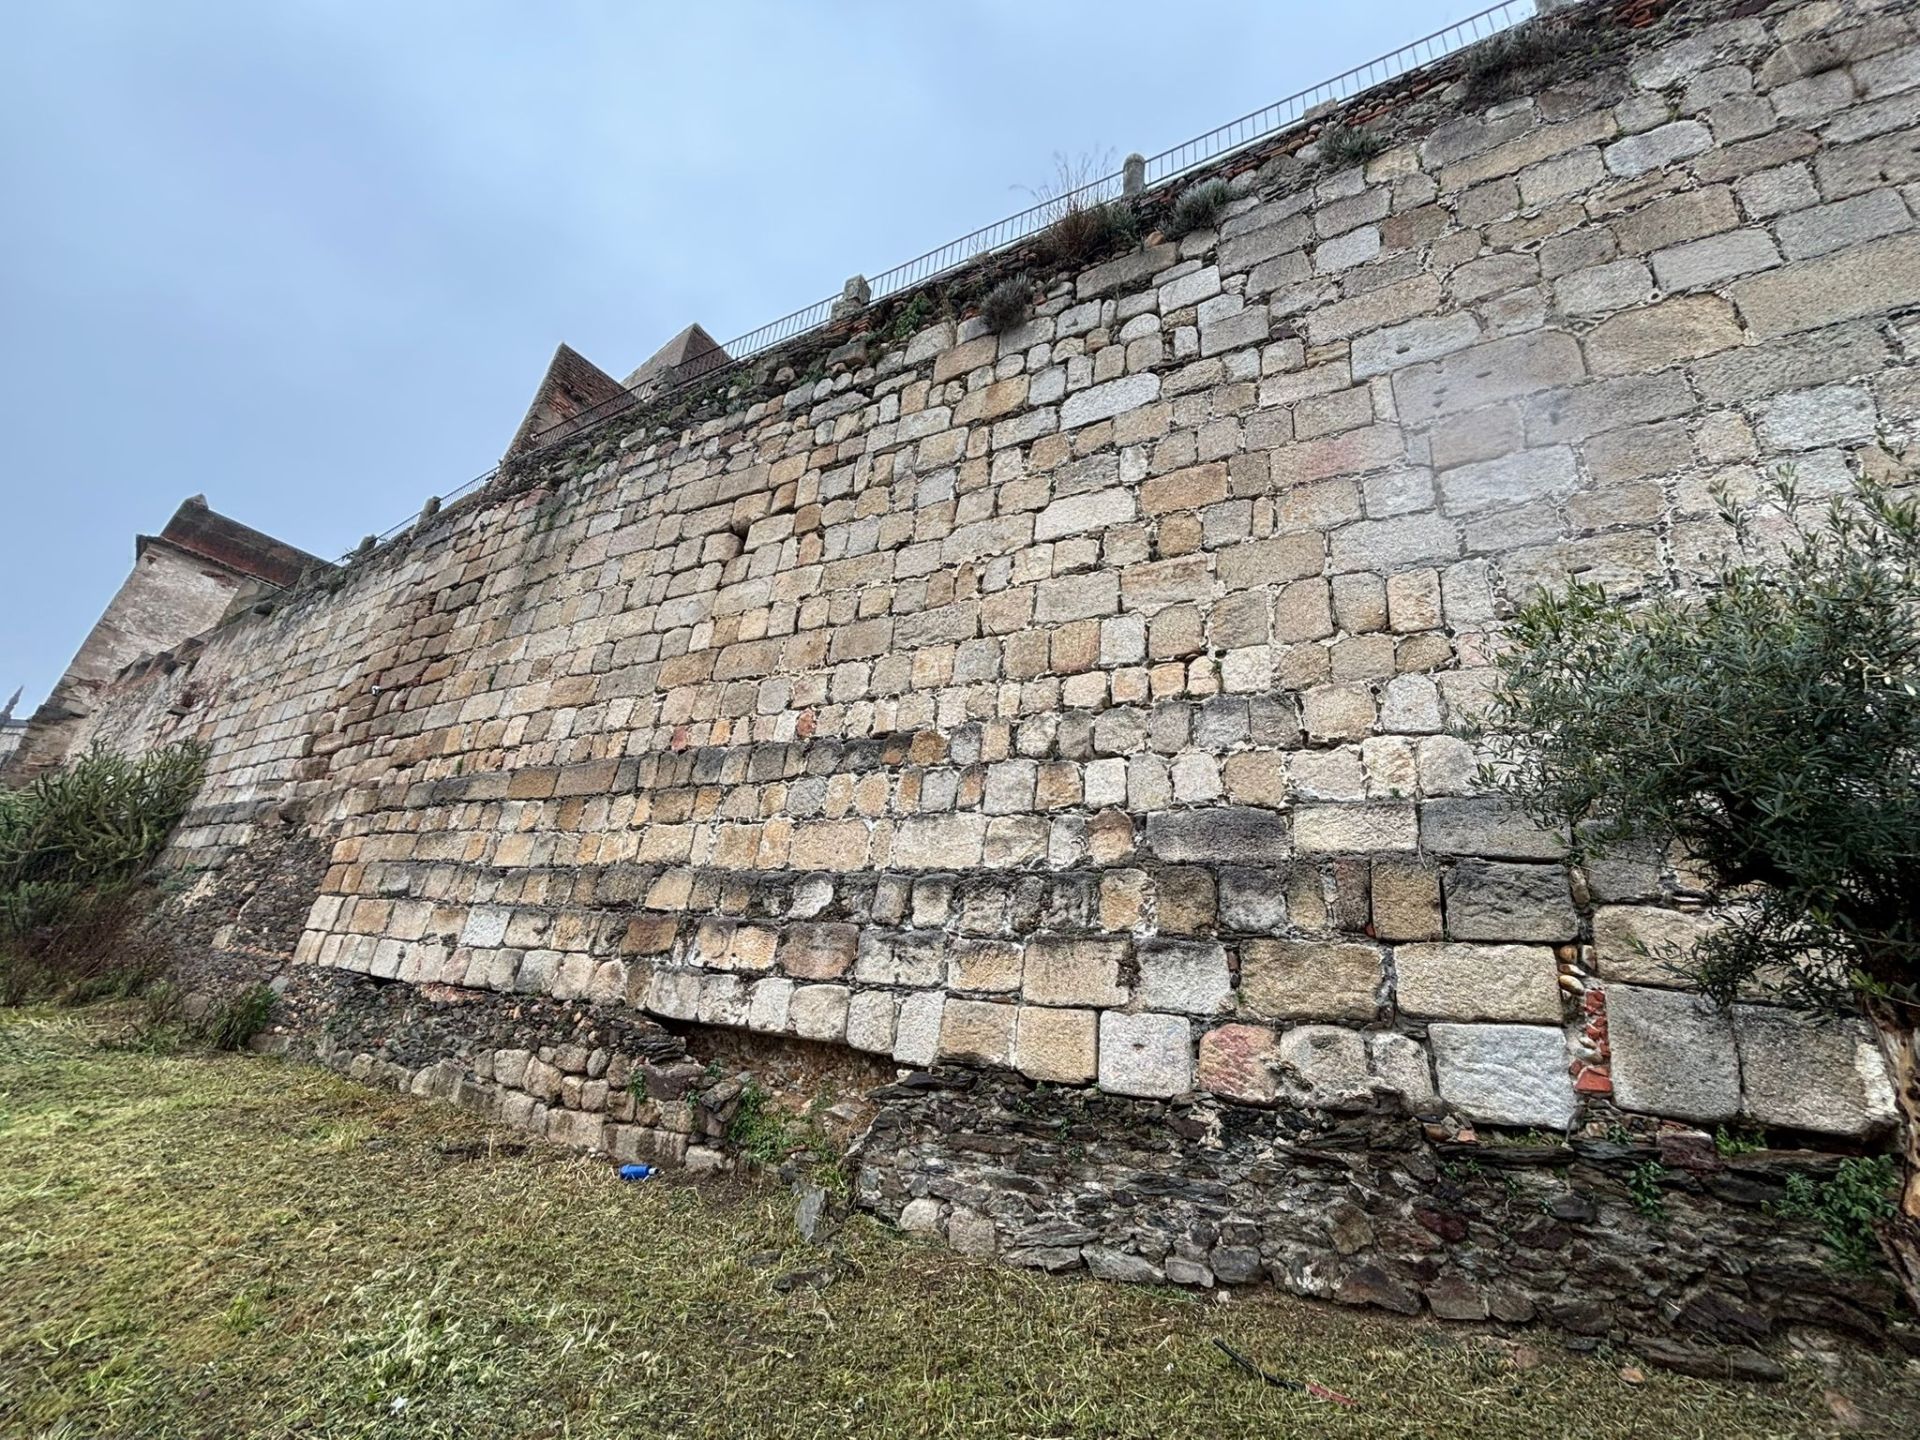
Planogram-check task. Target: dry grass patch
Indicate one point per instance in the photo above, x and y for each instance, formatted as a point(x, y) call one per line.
point(199, 1244)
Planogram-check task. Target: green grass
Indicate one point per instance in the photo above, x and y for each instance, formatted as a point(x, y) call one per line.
point(203, 1244)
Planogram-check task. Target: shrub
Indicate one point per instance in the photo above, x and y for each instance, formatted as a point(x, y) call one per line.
point(234, 1021)
point(1517, 58)
point(1344, 145)
point(1199, 207)
point(73, 847)
point(1005, 306)
point(1847, 1208)
point(1081, 228)
point(1769, 727)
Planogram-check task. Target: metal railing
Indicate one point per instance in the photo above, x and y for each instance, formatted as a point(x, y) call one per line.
point(1166, 165)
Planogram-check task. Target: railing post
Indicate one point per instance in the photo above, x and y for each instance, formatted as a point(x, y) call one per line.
point(1134, 178)
point(854, 296)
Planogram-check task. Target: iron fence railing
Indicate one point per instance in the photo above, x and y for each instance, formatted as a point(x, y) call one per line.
point(1166, 165)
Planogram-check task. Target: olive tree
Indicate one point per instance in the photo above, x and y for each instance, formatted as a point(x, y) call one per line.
point(1769, 724)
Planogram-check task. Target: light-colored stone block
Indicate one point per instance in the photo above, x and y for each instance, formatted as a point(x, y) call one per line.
point(977, 1030)
point(1477, 982)
point(1145, 1054)
point(1505, 1074)
point(1187, 976)
point(1673, 1054)
point(1823, 1074)
point(1060, 1047)
point(1310, 979)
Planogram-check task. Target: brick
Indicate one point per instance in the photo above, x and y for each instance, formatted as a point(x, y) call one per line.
point(1477, 982)
point(1310, 980)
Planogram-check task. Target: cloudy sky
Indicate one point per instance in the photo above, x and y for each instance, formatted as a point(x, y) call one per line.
point(310, 257)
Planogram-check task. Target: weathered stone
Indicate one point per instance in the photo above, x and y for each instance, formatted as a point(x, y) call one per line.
point(1863, 280)
point(1656, 336)
point(1221, 833)
point(977, 1030)
point(1485, 826)
point(1310, 980)
point(1328, 1060)
point(1505, 1074)
point(1647, 945)
point(818, 952)
point(1145, 1054)
point(1185, 976)
point(819, 1012)
point(1477, 982)
point(1064, 971)
point(1237, 1061)
point(1057, 1046)
point(1490, 900)
point(1673, 1054)
point(1823, 1075)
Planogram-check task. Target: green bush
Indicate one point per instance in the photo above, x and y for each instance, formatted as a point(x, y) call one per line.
point(1770, 726)
point(74, 845)
point(1847, 1208)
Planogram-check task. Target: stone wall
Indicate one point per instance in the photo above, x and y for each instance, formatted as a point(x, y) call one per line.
point(1080, 700)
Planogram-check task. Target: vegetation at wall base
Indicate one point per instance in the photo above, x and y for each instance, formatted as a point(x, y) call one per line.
point(74, 847)
point(1769, 726)
point(202, 1244)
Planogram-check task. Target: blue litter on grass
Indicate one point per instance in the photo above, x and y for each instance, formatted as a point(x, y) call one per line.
point(635, 1172)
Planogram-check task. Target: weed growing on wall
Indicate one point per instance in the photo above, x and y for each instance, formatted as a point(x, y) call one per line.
point(1200, 207)
point(73, 847)
point(1847, 1207)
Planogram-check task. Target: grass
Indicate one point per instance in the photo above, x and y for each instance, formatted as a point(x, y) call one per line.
point(198, 1244)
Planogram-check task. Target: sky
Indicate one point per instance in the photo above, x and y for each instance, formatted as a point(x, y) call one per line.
point(309, 258)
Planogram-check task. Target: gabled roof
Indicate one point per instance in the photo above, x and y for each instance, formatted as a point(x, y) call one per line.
point(572, 386)
point(692, 343)
point(214, 537)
